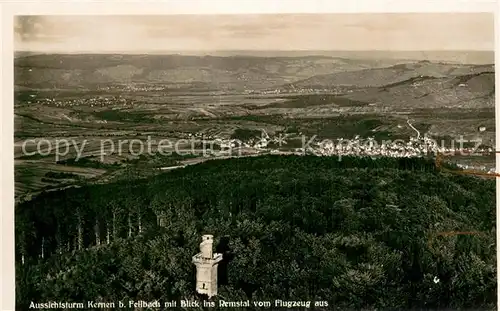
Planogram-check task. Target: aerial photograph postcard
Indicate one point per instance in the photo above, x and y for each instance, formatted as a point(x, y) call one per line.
point(333, 161)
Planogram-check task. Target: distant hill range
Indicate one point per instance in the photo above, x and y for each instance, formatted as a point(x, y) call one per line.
point(212, 72)
point(377, 77)
point(421, 84)
point(91, 71)
point(462, 57)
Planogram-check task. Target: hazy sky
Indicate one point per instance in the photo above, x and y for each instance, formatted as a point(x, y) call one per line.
point(409, 31)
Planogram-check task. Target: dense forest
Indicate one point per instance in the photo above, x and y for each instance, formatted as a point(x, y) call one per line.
point(359, 233)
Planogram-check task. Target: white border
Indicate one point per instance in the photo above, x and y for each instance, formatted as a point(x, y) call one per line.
point(120, 7)
point(497, 134)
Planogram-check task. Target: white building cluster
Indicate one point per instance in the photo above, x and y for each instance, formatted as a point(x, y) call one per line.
point(370, 147)
point(415, 147)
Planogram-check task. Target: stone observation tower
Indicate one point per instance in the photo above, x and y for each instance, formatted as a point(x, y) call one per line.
point(206, 267)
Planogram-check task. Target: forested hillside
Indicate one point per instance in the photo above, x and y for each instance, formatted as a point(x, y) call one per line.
point(358, 233)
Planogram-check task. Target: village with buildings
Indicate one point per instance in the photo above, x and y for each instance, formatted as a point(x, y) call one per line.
point(415, 147)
